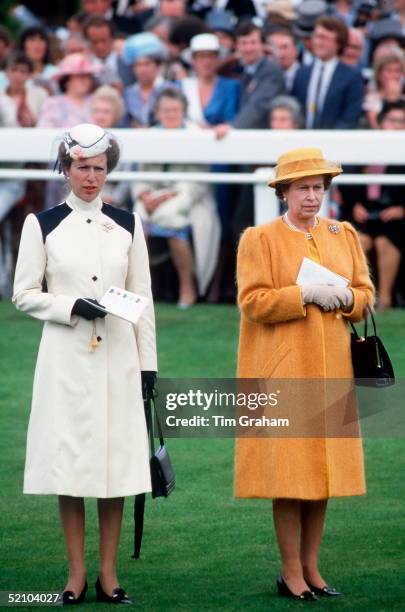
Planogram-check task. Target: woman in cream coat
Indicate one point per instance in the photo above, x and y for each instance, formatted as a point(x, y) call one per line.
point(87, 434)
point(295, 332)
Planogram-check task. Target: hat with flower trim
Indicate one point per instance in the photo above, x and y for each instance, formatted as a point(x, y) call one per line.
point(302, 162)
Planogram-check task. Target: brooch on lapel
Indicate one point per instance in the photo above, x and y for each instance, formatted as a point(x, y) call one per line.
point(107, 227)
point(334, 228)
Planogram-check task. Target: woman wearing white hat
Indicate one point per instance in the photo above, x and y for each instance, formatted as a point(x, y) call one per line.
point(212, 99)
point(87, 434)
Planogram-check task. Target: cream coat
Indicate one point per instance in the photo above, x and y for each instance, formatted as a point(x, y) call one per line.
point(87, 434)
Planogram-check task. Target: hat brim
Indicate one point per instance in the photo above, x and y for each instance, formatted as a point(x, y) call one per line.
point(93, 72)
point(332, 172)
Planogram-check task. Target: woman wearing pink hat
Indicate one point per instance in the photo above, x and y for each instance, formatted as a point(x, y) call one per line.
point(75, 77)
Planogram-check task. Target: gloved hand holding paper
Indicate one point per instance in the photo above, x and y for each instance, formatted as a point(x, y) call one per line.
point(123, 304)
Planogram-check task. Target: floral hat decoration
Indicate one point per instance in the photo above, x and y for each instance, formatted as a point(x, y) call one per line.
point(85, 140)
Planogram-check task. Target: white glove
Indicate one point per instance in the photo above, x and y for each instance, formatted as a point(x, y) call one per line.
point(326, 296)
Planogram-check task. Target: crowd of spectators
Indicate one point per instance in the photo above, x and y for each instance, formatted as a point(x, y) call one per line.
point(219, 65)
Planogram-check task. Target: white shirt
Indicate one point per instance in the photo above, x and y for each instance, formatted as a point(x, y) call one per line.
point(329, 69)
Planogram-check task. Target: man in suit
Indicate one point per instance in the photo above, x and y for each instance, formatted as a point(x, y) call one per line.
point(262, 81)
point(329, 91)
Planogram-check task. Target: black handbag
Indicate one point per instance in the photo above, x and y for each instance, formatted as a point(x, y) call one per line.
point(161, 471)
point(372, 366)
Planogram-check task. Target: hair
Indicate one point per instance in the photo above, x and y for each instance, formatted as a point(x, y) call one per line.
point(32, 32)
point(394, 56)
point(113, 155)
point(184, 29)
point(390, 106)
point(111, 95)
point(18, 58)
point(248, 27)
point(336, 25)
point(284, 32)
point(172, 93)
point(282, 187)
point(5, 36)
point(292, 105)
point(97, 21)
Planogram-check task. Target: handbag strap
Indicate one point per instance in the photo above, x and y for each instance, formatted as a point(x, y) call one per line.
point(367, 312)
point(149, 406)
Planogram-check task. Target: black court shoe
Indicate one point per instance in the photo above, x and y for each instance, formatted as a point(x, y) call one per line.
point(284, 591)
point(118, 595)
point(325, 591)
point(67, 598)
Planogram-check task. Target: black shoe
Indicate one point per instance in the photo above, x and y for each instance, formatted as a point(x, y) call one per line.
point(284, 591)
point(67, 598)
point(325, 591)
point(118, 595)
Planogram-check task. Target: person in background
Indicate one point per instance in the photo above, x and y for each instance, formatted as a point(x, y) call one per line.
point(107, 111)
point(378, 211)
point(21, 105)
point(212, 99)
point(145, 53)
point(178, 210)
point(387, 85)
point(261, 82)
point(5, 46)
point(285, 114)
point(76, 79)
point(329, 91)
point(284, 44)
point(308, 14)
point(99, 33)
point(354, 50)
point(35, 43)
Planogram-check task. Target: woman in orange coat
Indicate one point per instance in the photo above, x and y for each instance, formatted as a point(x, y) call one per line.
point(299, 332)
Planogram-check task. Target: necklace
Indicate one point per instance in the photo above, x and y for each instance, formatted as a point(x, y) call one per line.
point(290, 224)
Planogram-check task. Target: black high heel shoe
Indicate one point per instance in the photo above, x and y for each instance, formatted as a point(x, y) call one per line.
point(118, 595)
point(325, 591)
point(67, 598)
point(284, 591)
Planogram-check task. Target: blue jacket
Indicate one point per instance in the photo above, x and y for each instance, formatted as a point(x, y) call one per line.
point(343, 100)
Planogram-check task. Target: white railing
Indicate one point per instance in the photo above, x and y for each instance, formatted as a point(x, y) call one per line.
point(241, 147)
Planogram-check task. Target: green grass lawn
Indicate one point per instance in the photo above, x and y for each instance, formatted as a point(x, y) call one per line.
point(202, 549)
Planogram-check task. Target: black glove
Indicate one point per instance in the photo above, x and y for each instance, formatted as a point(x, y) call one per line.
point(148, 384)
point(83, 309)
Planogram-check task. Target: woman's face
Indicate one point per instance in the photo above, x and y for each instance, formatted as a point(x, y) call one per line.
point(205, 63)
point(304, 197)
point(79, 85)
point(282, 119)
point(103, 114)
point(35, 48)
point(170, 113)
point(87, 176)
point(146, 71)
point(392, 71)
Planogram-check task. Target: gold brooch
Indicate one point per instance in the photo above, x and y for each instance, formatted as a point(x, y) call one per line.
point(334, 228)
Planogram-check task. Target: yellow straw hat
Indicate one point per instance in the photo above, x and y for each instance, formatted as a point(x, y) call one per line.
point(302, 162)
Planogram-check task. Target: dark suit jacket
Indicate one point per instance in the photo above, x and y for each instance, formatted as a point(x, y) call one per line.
point(256, 93)
point(343, 100)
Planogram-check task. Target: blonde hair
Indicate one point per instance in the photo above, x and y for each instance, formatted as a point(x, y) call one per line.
point(393, 56)
point(106, 93)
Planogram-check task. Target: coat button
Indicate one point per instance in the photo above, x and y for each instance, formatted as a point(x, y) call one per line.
point(88, 220)
point(338, 315)
point(99, 338)
point(94, 278)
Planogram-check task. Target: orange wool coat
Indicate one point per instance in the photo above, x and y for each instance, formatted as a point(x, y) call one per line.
point(281, 338)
